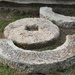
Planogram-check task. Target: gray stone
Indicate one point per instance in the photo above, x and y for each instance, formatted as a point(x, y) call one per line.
point(32, 32)
point(44, 62)
point(60, 20)
point(68, 2)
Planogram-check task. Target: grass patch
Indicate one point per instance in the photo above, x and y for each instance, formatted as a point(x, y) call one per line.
point(5, 70)
point(3, 24)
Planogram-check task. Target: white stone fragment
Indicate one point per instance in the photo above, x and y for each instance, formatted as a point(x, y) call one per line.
point(68, 2)
point(60, 20)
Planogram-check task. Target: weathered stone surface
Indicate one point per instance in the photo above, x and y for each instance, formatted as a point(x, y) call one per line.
point(45, 62)
point(32, 32)
point(43, 1)
point(60, 20)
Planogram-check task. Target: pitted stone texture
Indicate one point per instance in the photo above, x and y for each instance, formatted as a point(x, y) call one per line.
point(44, 62)
point(60, 20)
point(32, 32)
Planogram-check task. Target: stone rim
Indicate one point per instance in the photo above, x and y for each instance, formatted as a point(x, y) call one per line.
point(59, 58)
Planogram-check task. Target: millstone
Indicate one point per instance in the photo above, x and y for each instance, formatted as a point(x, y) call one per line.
point(32, 32)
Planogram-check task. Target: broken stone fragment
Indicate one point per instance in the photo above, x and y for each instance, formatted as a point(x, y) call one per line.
point(58, 19)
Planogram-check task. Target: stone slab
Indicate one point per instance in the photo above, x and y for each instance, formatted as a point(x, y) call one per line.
point(68, 2)
point(58, 19)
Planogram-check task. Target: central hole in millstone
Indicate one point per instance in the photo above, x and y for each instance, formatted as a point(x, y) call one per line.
point(31, 28)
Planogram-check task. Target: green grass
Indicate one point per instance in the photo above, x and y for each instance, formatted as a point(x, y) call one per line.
point(5, 70)
point(3, 24)
point(5, 18)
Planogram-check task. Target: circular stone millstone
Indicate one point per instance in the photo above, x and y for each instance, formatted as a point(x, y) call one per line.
point(32, 32)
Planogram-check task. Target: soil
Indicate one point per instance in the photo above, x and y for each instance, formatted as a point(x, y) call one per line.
point(1, 36)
